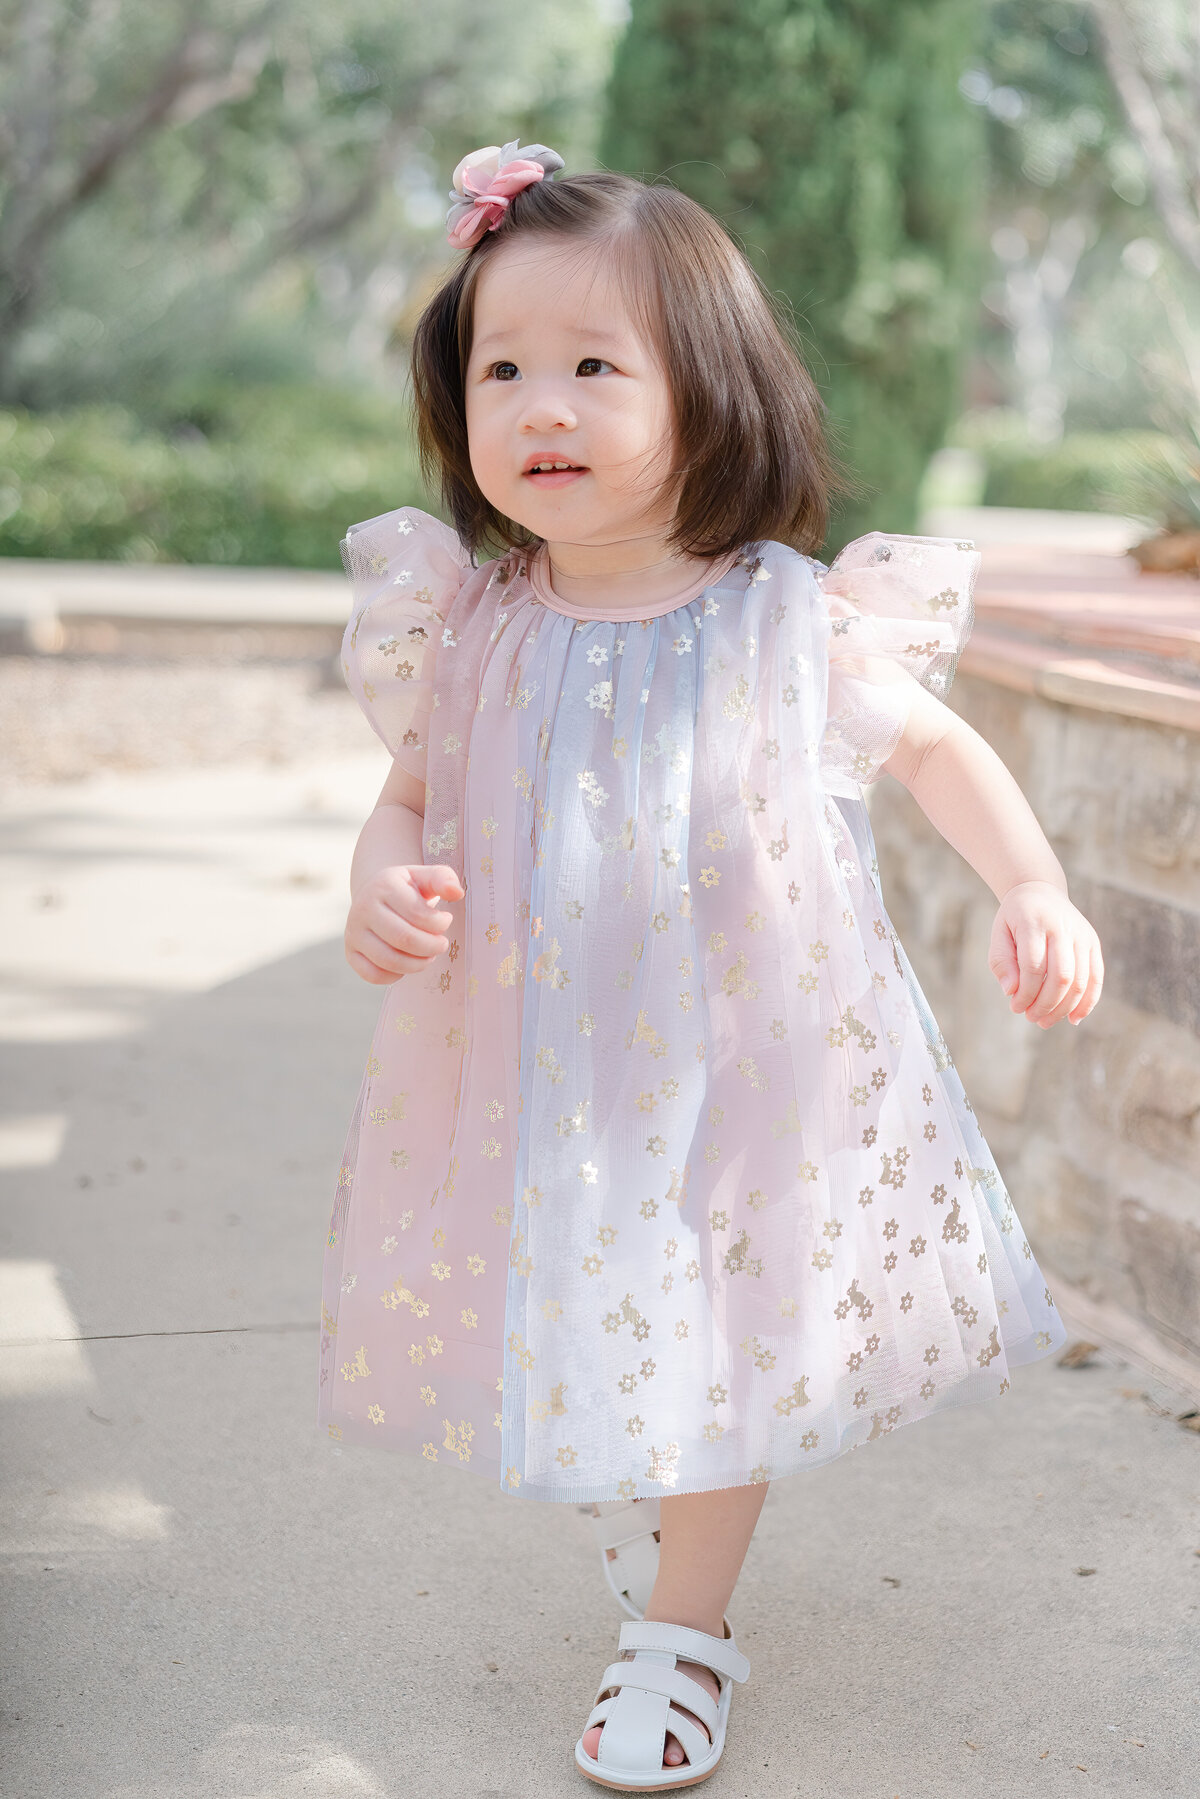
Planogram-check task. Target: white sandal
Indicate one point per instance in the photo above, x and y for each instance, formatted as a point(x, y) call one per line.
point(637, 1703)
point(629, 1529)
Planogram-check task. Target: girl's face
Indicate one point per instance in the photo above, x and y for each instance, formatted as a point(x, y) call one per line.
point(559, 372)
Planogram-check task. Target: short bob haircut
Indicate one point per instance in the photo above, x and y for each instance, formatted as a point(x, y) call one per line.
point(751, 463)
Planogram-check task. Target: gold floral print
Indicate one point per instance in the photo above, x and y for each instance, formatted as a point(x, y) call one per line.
point(458, 1438)
point(795, 1397)
point(399, 1295)
point(672, 844)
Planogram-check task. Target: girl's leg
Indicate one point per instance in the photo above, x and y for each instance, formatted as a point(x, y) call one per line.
point(703, 1539)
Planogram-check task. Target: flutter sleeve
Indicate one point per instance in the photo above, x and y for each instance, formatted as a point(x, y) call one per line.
point(898, 609)
point(405, 567)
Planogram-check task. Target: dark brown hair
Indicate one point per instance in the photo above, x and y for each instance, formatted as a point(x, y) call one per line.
point(751, 462)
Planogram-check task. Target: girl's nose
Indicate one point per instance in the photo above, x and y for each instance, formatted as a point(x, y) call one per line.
point(546, 409)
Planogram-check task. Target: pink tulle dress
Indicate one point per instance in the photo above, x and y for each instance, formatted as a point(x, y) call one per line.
point(661, 1178)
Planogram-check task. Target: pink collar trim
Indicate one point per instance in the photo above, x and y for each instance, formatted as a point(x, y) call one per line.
point(536, 566)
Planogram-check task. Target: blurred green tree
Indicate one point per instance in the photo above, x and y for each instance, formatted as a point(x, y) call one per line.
point(1091, 311)
point(240, 190)
point(1152, 53)
point(832, 140)
point(1070, 223)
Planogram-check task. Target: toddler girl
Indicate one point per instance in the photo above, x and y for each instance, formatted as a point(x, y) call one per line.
point(661, 1183)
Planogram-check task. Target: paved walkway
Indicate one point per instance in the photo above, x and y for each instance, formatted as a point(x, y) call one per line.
point(206, 1600)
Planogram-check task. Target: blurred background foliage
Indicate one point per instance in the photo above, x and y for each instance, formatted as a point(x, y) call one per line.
point(219, 221)
point(833, 142)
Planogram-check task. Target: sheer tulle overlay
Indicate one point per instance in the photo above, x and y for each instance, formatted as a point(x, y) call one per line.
point(662, 1178)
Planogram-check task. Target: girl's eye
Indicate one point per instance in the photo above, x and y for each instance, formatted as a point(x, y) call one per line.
point(508, 371)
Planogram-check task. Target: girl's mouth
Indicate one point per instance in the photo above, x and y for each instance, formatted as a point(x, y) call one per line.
point(548, 476)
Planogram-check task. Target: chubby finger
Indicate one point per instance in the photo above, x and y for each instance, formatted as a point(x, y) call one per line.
point(1052, 1002)
point(393, 942)
point(1071, 998)
point(403, 918)
point(412, 951)
point(437, 910)
point(370, 971)
point(372, 961)
point(1085, 942)
point(1031, 962)
point(437, 880)
point(1095, 980)
point(1002, 956)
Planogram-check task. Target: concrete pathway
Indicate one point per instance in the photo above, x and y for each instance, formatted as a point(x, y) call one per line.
point(205, 1599)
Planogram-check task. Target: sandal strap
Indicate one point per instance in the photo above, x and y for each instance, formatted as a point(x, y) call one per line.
point(625, 1525)
point(633, 1571)
point(635, 1731)
point(694, 1743)
point(723, 1657)
point(654, 1677)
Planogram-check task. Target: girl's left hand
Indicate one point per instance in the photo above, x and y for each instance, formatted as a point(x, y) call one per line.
point(1045, 955)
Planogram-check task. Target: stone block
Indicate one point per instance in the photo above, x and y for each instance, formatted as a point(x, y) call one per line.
point(1070, 785)
point(1151, 950)
point(1153, 817)
point(1005, 720)
point(1161, 1103)
point(1096, 1131)
point(1067, 1211)
point(1105, 1061)
point(1163, 1257)
point(1138, 828)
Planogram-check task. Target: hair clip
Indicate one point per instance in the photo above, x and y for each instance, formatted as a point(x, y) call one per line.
point(486, 180)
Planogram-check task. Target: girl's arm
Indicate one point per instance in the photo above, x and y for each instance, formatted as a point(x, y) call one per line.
point(1044, 952)
point(392, 834)
point(395, 923)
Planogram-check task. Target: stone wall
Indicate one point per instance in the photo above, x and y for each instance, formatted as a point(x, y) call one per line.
point(1096, 1127)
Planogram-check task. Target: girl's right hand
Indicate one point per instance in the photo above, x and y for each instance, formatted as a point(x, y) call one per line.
point(395, 923)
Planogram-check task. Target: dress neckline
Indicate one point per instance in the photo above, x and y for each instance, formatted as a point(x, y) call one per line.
point(537, 575)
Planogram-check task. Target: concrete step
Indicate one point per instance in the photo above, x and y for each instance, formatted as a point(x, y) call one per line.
point(40, 598)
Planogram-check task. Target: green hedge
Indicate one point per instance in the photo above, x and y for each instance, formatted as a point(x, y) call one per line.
point(265, 476)
point(1128, 472)
point(272, 476)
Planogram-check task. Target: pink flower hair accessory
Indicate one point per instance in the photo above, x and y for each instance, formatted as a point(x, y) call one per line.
point(486, 180)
